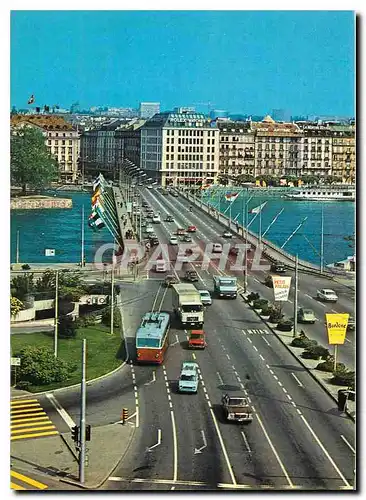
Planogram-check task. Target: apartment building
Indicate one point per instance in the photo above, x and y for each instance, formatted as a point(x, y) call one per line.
point(148, 109)
point(61, 138)
point(344, 152)
point(237, 147)
point(316, 151)
point(180, 149)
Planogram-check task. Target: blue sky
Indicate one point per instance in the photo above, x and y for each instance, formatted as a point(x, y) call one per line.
point(242, 61)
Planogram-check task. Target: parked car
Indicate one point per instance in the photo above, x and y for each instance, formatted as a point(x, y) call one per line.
point(306, 316)
point(205, 297)
point(169, 218)
point(278, 267)
point(180, 231)
point(191, 229)
point(173, 240)
point(191, 276)
point(227, 234)
point(149, 229)
point(170, 280)
point(217, 248)
point(327, 295)
point(351, 326)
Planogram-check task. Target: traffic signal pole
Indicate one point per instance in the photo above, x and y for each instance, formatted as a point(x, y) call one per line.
point(82, 415)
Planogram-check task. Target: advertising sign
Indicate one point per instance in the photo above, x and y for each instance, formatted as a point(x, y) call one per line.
point(337, 327)
point(15, 361)
point(129, 207)
point(281, 287)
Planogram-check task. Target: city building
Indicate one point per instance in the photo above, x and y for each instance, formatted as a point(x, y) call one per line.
point(237, 145)
point(315, 150)
point(148, 109)
point(343, 152)
point(61, 138)
point(180, 149)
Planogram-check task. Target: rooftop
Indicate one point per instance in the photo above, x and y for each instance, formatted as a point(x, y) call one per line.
point(47, 122)
point(179, 120)
point(152, 325)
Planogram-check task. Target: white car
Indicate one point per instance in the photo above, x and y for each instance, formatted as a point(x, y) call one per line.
point(205, 297)
point(149, 187)
point(327, 295)
point(217, 248)
point(156, 219)
point(149, 229)
point(173, 240)
point(227, 234)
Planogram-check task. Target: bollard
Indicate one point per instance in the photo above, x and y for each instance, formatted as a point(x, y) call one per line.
point(124, 415)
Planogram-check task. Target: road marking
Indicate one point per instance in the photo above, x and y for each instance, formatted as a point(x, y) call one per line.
point(249, 340)
point(36, 434)
point(199, 450)
point(279, 383)
point(193, 355)
point(348, 341)
point(246, 442)
point(62, 412)
point(229, 466)
point(28, 480)
point(158, 443)
point(220, 379)
point(241, 385)
point(310, 297)
point(334, 311)
point(274, 451)
point(293, 404)
point(321, 303)
point(255, 348)
point(325, 451)
point(228, 357)
point(153, 379)
point(288, 300)
point(347, 443)
point(297, 380)
point(266, 341)
point(175, 447)
point(289, 397)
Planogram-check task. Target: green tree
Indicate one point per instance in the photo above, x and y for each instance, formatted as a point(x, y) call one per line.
point(22, 285)
point(69, 283)
point(31, 163)
point(106, 317)
point(67, 327)
point(39, 366)
point(16, 305)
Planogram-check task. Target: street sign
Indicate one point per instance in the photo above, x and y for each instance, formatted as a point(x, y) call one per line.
point(337, 327)
point(281, 287)
point(15, 361)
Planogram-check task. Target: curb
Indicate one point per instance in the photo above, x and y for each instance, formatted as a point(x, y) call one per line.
point(88, 381)
point(96, 486)
point(319, 382)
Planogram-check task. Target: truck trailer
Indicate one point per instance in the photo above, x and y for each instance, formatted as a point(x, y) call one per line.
point(187, 304)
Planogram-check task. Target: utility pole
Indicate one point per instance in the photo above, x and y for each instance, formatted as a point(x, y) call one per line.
point(112, 293)
point(56, 317)
point(82, 237)
point(82, 452)
point(322, 241)
point(260, 228)
point(140, 220)
point(246, 253)
point(17, 249)
point(295, 298)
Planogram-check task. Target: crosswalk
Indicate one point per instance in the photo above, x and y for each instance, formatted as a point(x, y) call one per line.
point(20, 482)
point(257, 332)
point(29, 420)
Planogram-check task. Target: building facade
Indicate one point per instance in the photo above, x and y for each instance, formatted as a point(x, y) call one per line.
point(61, 138)
point(180, 149)
point(237, 146)
point(148, 109)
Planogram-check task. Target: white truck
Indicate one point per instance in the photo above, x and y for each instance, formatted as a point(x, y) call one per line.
point(187, 304)
point(225, 286)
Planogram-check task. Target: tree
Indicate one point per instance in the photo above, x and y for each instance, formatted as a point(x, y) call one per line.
point(67, 327)
point(106, 317)
point(22, 285)
point(39, 366)
point(30, 161)
point(16, 305)
point(69, 282)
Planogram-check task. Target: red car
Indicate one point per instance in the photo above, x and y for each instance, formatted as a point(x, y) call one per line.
point(191, 229)
point(197, 339)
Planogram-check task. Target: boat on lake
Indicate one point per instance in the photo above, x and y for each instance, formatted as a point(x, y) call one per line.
point(335, 192)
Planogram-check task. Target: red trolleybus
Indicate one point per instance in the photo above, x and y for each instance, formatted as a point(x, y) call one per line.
point(152, 337)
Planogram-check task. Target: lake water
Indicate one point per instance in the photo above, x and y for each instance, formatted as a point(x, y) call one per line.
point(61, 229)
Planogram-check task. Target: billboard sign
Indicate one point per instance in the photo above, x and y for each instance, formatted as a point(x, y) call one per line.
point(337, 328)
point(281, 287)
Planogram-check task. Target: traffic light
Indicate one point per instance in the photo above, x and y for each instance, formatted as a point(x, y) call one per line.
point(75, 433)
point(87, 433)
point(124, 414)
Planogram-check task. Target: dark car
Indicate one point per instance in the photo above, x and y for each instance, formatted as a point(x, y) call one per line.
point(169, 218)
point(191, 276)
point(278, 267)
point(170, 280)
point(187, 238)
point(154, 241)
point(351, 326)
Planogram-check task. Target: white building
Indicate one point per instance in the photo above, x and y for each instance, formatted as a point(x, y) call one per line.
point(149, 109)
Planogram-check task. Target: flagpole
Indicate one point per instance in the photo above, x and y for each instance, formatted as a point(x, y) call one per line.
point(260, 227)
point(322, 241)
point(246, 253)
point(293, 233)
point(82, 236)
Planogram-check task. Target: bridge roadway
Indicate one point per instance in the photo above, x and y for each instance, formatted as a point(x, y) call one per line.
point(297, 440)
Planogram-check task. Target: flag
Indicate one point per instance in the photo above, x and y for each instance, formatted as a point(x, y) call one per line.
point(96, 224)
point(31, 99)
point(231, 196)
point(283, 182)
point(97, 204)
point(205, 186)
point(99, 181)
point(96, 195)
point(258, 209)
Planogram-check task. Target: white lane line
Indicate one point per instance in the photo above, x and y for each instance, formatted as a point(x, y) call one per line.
point(158, 443)
point(175, 447)
point(297, 380)
point(255, 279)
point(246, 442)
point(229, 466)
point(293, 404)
point(279, 383)
point(266, 341)
point(61, 411)
point(255, 348)
point(249, 340)
point(321, 303)
point(347, 340)
point(241, 385)
point(137, 416)
point(284, 390)
point(289, 397)
point(346, 483)
point(298, 411)
point(267, 367)
point(228, 357)
point(310, 297)
point(220, 378)
point(193, 355)
point(262, 358)
point(347, 443)
point(275, 452)
point(334, 311)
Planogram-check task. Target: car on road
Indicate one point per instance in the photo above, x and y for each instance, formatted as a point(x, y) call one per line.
point(188, 379)
point(227, 234)
point(180, 231)
point(170, 280)
point(205, 297)
point(191, 276)
point(187, 238)
point(351, 325)
point(197, 339)
point(191, 229)
point(169, 218)
point(234, 251)
point(145, 204)
point(149, 187)
point(173, 240)
point(236, 408)
point(149, 229)
point(161, 266)
point(153, 241)
point(327, 295)
point(306, 316)
point(156, 219)
point(217, 248)
point(278, 267)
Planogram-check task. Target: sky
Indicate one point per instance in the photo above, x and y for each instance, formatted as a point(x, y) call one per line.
point(246, 62)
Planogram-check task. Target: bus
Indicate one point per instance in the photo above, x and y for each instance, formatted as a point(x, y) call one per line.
point(152, 337)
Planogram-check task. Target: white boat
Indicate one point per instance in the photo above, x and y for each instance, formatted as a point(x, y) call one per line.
point(334, 192)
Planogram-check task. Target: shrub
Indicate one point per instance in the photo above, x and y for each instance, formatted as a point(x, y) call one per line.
point(275, 316)
point(303, 341)
point(263, 302)
point(16, 305)
point(315, 352)
point(22, 285)
point(253, 296)
point(23, 385)
point(343, 377)
point(106, 317)
point(285, 324)
point(39, 366)
point(268, 281)
point(26, 267)
point(67, 327)
point(266, 311)
point(328, 366)
point(257, 304)
point(70, 294)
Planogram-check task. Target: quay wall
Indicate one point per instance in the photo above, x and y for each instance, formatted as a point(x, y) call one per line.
point(39, 202)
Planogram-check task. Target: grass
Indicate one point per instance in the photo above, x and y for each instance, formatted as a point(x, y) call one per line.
point(104, 352)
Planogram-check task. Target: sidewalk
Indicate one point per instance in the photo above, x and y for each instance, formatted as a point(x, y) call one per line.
point(107, 447)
